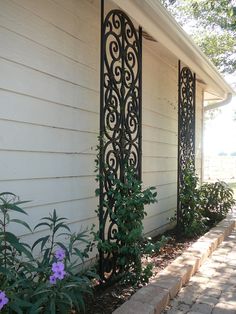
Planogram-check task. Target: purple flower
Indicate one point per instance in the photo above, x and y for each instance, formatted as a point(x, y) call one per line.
point(3, 299)
point(53, 279)
point(60, 254)
point(60, 274)
point(59, 266)
point(58, 270)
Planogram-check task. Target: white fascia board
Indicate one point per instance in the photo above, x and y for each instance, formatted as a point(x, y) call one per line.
point(155, 19)
point(219, 104)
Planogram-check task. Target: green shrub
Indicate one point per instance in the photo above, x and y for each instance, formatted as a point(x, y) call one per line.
point(51, 282)
point(191, 223)
point(204, 206)
point(216, 199)
point(128, 214)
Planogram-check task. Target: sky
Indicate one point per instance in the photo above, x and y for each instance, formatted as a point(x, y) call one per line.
point(220, 132)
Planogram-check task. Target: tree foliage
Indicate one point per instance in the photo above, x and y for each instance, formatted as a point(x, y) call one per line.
point(212, 25)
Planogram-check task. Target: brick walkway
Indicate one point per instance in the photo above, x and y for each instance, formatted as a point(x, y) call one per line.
point(212, 290)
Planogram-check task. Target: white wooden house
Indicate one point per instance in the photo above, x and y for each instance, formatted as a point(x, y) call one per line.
point(50, 104)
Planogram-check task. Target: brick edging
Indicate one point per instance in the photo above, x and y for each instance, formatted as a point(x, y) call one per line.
point(153, 298)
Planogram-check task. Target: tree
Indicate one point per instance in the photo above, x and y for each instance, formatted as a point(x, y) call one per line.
point(212, 25)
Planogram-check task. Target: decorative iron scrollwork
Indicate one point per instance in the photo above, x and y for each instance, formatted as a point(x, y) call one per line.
point(186, 125)
point(120, 117)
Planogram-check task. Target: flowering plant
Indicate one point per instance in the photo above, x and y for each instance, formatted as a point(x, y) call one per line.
point(60, 254)
point(14, 256)
point(59, 273)
point(61, 286)
point(3, 299)
point(53, 281)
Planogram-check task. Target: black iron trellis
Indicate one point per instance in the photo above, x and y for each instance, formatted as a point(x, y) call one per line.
point(186, 126)
point(120, 116)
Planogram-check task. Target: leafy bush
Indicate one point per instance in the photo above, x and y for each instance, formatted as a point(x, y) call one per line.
point(191, 223)
point(128, 214)
point(49, 283)
point(216, 199)
point(204, 206)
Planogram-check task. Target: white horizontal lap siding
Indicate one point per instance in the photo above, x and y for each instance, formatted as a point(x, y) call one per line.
point(27, 109)
point(160, 128)
point(45, 87)
point(159, 223)
point(42, 31)
point(49, 112)
point(35, 211)
point(42, 138)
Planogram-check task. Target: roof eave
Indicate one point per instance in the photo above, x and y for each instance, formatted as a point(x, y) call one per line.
point(155, 19)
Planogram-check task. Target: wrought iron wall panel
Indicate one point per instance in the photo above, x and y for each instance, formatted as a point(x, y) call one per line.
point(186, 126)
point(120, 116)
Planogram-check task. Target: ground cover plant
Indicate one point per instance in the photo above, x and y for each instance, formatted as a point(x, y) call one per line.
point(48, 281)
